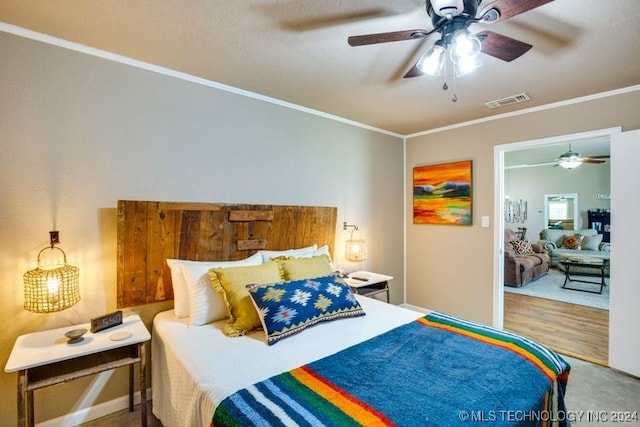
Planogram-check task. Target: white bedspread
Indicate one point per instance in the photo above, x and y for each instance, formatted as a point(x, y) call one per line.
point(195, 368)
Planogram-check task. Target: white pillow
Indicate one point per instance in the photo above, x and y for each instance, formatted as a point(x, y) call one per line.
point(180, 290)
point(205, 304)
point(322, 250)
point(300, 252)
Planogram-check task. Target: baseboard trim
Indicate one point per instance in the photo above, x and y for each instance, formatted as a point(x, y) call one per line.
point(94, 412)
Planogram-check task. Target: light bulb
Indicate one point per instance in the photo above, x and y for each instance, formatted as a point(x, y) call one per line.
point(431, 62)
point(468, 64)
point(570, 164)
point(464, 45)
point(53, 284)
point(465, 52)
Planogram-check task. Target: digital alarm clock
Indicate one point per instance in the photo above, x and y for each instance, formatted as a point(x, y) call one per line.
point(106, 321)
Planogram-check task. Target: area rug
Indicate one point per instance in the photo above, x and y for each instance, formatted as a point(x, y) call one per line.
point(550, 286)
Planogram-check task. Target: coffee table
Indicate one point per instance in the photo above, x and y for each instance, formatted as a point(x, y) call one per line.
point(573, 265)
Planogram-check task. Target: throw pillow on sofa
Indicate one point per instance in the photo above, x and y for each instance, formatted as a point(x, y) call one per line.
point(573, 241)
point(522, 247)
point(592, 243)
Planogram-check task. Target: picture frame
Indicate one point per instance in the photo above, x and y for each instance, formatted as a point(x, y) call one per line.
point(443, 193)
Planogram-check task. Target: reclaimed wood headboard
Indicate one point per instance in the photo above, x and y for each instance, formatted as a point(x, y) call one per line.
point(151, 232)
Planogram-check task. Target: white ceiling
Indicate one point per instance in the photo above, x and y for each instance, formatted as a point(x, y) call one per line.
point(297, 51)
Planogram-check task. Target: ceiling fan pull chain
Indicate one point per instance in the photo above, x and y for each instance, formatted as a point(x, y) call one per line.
point(454, 98)
point(445, 86)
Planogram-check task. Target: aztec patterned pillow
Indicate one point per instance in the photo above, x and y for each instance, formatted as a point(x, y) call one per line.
point(287, 308)
point(573, 242)
point(522, 247)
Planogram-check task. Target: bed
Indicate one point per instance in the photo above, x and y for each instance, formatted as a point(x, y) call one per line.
point(365, 362)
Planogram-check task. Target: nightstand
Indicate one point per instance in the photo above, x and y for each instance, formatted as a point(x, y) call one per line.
point(368, 284)
point(46, 358)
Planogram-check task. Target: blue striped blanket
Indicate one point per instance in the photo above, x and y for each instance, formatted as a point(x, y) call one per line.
point(437, 370)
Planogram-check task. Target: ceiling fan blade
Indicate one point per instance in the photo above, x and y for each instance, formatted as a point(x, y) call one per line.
point(502, 47)
point(606, 156)
point(511, 8)
point(590, 160)
point(394, 36)
point(413, 72)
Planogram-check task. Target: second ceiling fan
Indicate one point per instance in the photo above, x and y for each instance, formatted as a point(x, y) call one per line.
point(451, 19)
point(572, 159)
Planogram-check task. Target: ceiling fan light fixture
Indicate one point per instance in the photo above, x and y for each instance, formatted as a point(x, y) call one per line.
point(569, 163)
point(570, 159)
point(465, 52)
point(467, 65)
point(464, 45)
point(431, 62)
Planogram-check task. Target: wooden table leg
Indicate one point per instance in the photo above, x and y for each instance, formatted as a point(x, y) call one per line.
point(143, 384)
point(131, 388)
point(22, 399)
point(30, 409)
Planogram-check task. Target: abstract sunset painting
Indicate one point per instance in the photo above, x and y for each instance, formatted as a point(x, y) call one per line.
point(442, 194)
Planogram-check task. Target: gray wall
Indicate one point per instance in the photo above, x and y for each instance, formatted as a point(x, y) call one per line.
point(78, 133)
point(531, 184)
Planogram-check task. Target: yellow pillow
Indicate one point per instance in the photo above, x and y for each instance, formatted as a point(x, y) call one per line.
point(305, 268)
point(231, 282)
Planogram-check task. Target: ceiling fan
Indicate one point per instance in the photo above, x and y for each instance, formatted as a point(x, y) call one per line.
point(452, 18)
point(572, 159)
point(568, 160)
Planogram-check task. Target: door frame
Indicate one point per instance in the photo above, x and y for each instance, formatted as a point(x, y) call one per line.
point(498, 210)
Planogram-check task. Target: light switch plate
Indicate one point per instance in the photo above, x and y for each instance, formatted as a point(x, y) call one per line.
point(485, 221)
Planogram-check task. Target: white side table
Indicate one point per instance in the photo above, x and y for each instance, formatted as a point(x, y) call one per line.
point(368, 283)
point(45, 358)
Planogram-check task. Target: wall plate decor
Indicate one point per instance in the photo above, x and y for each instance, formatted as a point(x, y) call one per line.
point(442, 194)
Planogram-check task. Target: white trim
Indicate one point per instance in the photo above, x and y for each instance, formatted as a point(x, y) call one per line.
point(404, 219)
point(66, 44)
point(94, 412)
point(498, 237)
point(551, 106)
point(596, 133)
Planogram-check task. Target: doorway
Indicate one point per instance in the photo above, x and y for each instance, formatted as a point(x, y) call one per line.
point(539, 155)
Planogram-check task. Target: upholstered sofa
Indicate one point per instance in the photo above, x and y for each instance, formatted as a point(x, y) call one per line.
point(562, 243)
point(523, 261)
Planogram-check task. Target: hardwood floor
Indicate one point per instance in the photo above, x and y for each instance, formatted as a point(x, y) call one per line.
point(571, 329)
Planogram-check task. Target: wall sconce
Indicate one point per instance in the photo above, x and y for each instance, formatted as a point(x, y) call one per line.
point(355, 248)
point(52, 287)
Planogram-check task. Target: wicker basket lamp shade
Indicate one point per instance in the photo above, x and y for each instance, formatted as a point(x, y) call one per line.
point(355, 247)
point(53, 287)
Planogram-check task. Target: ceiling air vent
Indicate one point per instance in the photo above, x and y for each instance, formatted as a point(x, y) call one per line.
point(514, 99)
